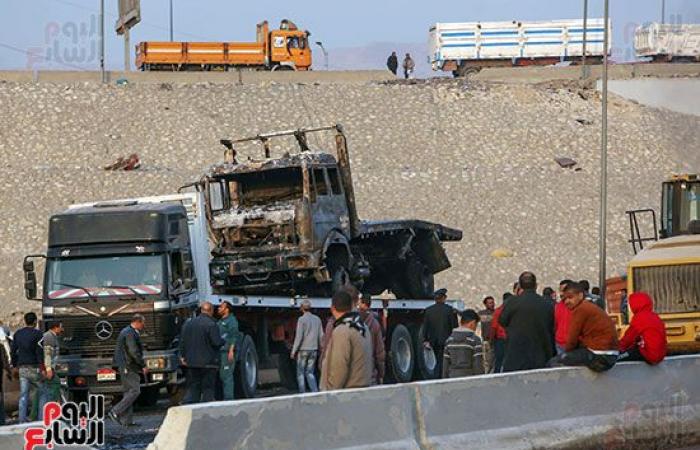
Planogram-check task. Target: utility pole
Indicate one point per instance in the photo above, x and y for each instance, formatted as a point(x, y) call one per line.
point(602, 247)
point(102, 41)
point(127, 55)
point(584, 70)
point(663, 11)
point(171, 20)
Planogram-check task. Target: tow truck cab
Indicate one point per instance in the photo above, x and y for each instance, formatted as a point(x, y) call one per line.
point(105, 262)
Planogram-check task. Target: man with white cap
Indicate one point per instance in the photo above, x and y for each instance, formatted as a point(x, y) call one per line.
point(307, 342)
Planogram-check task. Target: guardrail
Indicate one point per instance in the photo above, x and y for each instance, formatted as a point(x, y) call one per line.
point(633, 404)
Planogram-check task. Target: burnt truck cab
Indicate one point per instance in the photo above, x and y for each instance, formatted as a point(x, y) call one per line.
point(105, 262)
point(289, 225)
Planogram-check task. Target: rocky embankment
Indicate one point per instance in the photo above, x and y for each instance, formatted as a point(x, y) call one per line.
point(477, 156)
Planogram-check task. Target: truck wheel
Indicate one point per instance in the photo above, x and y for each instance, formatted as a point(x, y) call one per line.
point(149, 396)
point(420, 281)
point(402, 354)
point(426, 360)
point(287, 369)
point(246, 372)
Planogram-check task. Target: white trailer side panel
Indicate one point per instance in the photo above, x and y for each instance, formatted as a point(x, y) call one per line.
point(680, 41)
point(474, 41)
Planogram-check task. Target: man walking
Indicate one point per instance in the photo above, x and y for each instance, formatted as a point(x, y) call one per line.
point(200, 344)
point(463, 349)
point(26, 357)
point(439, 321)
point(307, 341)
point(529, 323)
point(392, 63)
point(347, 362)
point(51, 387)
point(128, 357)
point(364, 306)
point(228, 329)
point(408, 66)
point(485, 317)
point(592, 339)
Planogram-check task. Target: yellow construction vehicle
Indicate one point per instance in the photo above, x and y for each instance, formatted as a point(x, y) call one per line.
point(669, 268)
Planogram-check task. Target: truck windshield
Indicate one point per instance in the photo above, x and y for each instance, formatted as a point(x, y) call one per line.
point(265, 187)
point(690, 204)
point(142, 273)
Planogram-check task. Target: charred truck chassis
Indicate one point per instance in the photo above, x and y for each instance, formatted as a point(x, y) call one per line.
point(289, 225)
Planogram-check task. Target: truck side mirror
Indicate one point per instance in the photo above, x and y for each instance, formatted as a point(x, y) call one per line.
point(30, 283)
point(28, 266)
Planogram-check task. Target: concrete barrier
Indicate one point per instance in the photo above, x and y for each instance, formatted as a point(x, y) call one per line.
point(12, 438)
point(676, 94)
point(633, 404)
point(381, 418)
point(242, 77)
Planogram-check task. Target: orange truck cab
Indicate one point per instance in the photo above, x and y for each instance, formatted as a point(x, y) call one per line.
point(286, 48)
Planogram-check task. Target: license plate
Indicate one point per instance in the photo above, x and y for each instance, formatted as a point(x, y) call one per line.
point(106, 375)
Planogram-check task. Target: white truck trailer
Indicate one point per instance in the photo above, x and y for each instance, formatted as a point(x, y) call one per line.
point(463, 47)
point(668, 42)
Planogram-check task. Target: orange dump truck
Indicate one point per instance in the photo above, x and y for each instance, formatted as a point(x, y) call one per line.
point(286, 48)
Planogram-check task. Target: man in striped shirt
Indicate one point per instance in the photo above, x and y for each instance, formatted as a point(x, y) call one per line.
point(463, 349)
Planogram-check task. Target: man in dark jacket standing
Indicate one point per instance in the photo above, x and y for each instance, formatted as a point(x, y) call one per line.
point(463, 349)
point(529, 323)
point(128, 357)
point(439, 321)
point(200, 344)
point(26, 356)
point(392, 63)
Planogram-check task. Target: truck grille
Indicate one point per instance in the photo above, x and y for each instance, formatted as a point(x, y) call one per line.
point(675, 289)
point(80, 336)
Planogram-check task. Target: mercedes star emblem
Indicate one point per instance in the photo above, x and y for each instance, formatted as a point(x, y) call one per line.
point(103, 330)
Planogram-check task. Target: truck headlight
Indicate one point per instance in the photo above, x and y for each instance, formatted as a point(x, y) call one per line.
point(156, 363)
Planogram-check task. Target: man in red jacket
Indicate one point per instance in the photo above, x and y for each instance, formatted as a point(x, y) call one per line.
point(645, 339)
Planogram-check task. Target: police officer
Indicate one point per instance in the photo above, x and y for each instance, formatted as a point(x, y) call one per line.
point(228, 328)
point(438, 322)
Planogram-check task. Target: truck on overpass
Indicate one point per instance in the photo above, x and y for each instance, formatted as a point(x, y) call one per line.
point(161, 257)
point(286, 48)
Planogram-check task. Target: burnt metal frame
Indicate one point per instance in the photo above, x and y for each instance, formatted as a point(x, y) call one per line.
point(299, 135)
point(635, 234)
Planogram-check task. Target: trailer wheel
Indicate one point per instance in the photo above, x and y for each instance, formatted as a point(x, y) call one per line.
point(246, 371)
point(426, 360)
point(402, 354)
point(420, 281)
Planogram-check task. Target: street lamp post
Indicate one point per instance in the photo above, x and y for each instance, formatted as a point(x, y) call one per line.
point(584, 71)
point(171, 20)
point(102, 41)
point(663, 11)
point(602, 248)
point(325, 53)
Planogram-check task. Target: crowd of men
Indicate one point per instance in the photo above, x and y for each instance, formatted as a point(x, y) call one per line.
point(32, 359)
point(527, 331)
point(408, 65)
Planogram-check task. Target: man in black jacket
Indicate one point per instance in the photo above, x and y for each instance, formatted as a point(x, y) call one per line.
point(529, 323)
point(26, 356)
point(439, 321)
point(128, 356)
point(200, 344)
point(392, 63)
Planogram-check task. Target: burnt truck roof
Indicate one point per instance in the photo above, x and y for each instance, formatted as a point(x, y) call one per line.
point(258, 165)
point(111, 223)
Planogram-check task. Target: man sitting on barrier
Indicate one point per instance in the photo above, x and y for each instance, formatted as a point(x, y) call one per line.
point(645, 339)
point(347, 360)
point(592, 339)
point(463, 349)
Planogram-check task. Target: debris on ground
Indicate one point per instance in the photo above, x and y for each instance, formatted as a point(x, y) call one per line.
point(131, 163)
point(565, 162)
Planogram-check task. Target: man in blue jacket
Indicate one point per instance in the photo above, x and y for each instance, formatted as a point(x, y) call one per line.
point(26, 356)
point(200, 345)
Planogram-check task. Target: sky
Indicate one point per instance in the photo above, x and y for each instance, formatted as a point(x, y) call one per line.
point(63, 34)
